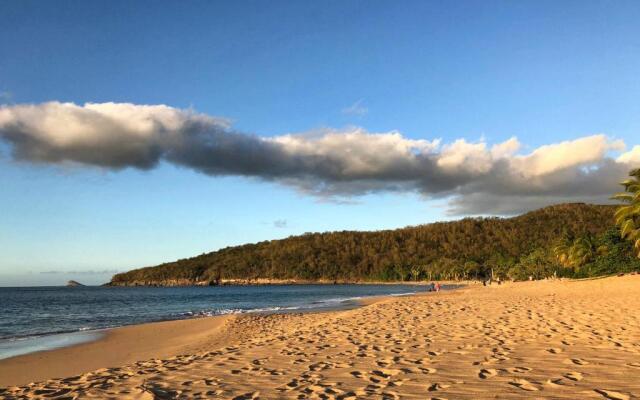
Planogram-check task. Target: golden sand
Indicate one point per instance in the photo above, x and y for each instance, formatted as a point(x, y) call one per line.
point(555, 339)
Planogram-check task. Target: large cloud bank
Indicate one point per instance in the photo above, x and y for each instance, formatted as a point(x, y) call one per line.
point(332, 164)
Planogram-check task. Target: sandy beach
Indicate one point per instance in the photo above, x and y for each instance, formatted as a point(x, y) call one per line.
point(545, 339)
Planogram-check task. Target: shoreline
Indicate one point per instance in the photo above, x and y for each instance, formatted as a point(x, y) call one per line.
point(17, 369)
point(15, 347)
point(274, 282)
point(87, 356)
point(115, 347)
point(56, 340)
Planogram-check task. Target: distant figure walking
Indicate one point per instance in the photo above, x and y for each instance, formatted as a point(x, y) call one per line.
point(437, 287)
point(432, 287)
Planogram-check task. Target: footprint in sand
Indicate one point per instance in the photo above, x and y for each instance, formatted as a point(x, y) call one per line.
point(351, 395)
point(576, 361)
point(437, 386)
point(397, 382)
point(487, 373)
point(524, 385)
point(385, 373)
point(358, 374)
point(248, 396)
point(518, 370)
point(157, 392)
point(211, 382)
point(44, 392)
point(612, 395)
point(384, 362)
point(574, 376)
point(372, 389)
point(634, 365)
point(555, 350)
point(388, 395)
point(294, 383)
point(555, 382)
point(319, 390)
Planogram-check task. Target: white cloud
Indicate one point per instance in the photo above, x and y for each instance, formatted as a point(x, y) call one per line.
point(356, 109)
point(280, 223)
point(83, 272)
point(113, 135)
point(464, 156)
point(505, 149)
point(355, 151)
point(329, 164)
point(630, 157)
point(550, 158)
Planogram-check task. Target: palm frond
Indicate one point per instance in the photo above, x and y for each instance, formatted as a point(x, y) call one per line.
point(624, 197)
point(623, 213)
point(627, 217)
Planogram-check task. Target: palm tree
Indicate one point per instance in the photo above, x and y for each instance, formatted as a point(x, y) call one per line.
point(416, 270)
point(581, 252)
point(561, 251)
point(471, 268)
point(628, 215)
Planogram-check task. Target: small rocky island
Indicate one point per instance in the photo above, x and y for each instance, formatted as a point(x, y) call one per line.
point(74, 284)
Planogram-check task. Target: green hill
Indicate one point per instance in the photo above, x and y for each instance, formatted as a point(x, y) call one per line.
point(467, 248)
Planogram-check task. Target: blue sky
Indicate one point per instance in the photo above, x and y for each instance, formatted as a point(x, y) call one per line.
point(544, 72)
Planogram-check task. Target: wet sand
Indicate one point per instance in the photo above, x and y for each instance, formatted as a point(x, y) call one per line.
point(548, 339)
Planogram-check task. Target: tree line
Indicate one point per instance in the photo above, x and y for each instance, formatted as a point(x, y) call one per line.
point(573, 240)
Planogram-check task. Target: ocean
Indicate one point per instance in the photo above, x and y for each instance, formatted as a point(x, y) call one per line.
point(42, 318)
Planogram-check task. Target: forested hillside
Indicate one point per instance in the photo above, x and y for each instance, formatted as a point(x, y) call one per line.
point(516, 248)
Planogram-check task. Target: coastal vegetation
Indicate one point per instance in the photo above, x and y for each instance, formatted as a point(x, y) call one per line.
point(628, 215)
point(567, 240)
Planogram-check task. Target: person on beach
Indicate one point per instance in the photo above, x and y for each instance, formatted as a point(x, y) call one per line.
point(437, 287)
